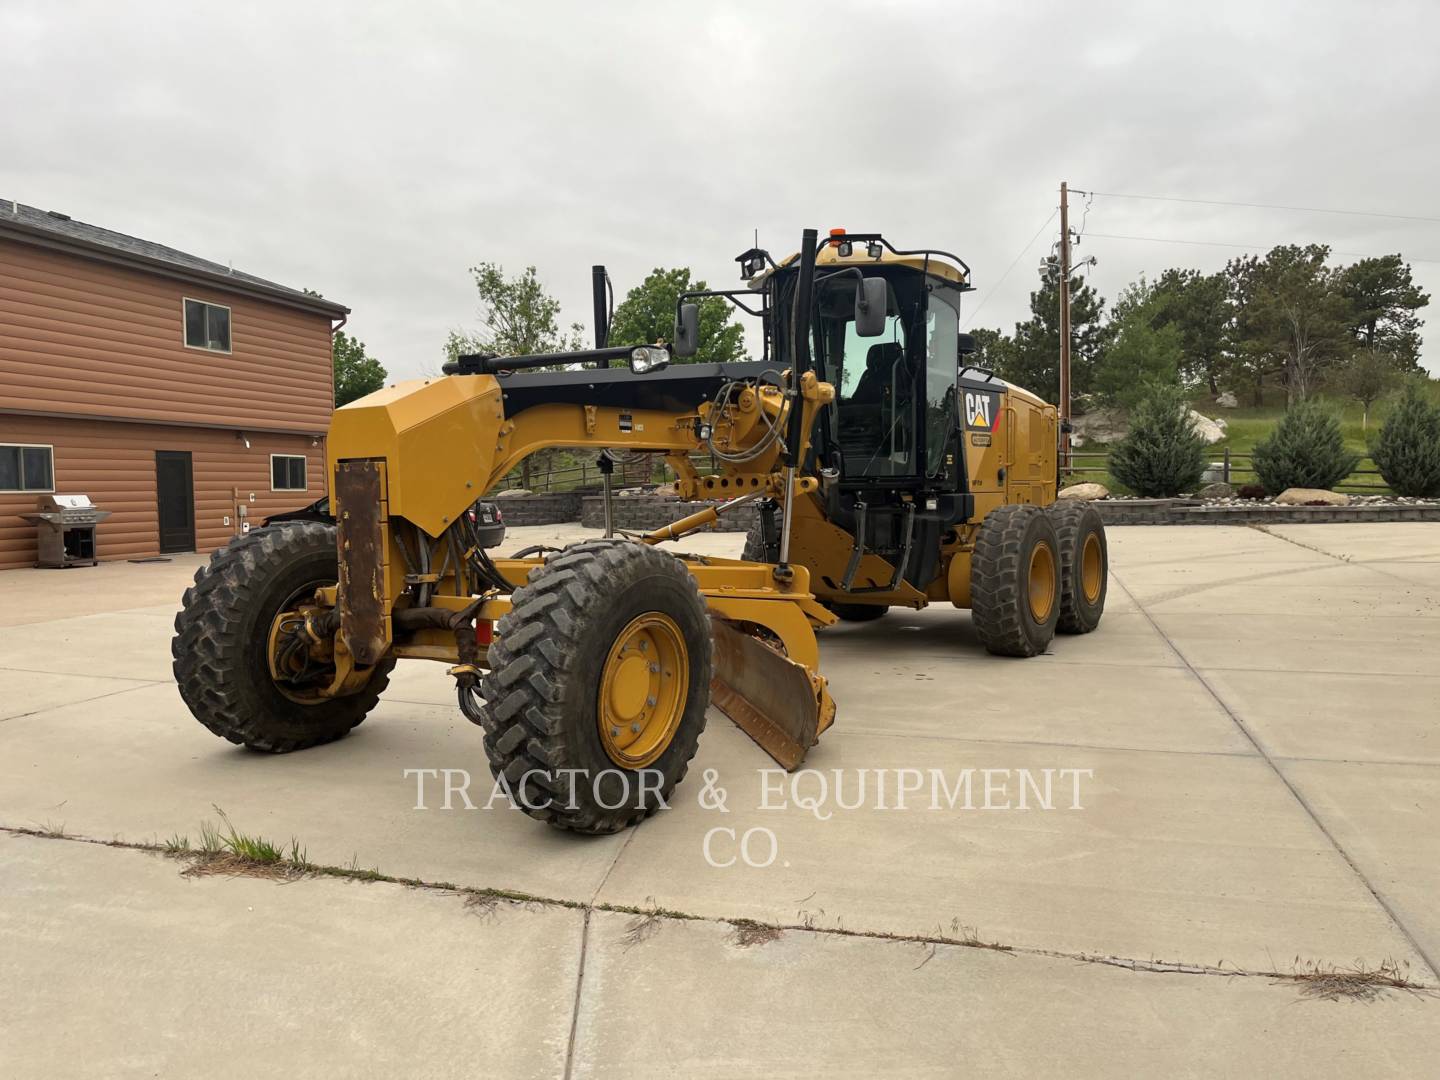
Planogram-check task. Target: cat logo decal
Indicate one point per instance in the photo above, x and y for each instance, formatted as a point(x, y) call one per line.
point(981, 412)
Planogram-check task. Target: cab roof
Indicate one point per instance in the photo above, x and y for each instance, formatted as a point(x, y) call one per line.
point(828, 254)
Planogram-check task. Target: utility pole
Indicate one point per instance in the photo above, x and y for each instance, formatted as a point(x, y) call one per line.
point(1064, 325)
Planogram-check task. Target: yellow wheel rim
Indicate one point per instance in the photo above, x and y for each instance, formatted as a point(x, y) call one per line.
point(643, 687)
point(1042, 582)
point(1092, 568)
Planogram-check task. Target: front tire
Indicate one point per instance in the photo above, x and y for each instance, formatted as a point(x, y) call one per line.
point(222, 637)
point(1015, 580)
point(598, 685)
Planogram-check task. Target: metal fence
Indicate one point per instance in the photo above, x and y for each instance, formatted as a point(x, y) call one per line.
point(1233, 468)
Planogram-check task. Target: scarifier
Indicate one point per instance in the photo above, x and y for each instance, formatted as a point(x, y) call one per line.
point(887, 470)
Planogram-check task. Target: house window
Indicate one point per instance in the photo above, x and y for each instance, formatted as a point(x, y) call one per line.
point(207, 326)
point(287, 472)
point(27, 468)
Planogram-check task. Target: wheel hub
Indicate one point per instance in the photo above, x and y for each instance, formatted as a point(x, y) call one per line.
point(1042, 582)
point(300, 667)
point(1092, 572)
point(643, 687)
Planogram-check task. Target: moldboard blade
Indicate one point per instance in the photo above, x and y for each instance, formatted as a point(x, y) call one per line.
point(769, 696)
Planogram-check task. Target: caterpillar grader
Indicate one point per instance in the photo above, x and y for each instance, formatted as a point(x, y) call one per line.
point(883, 468)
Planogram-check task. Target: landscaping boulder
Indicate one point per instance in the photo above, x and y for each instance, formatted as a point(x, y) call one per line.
point(1212, 431)
point(1085, 492)
point(1227, 400)
point(1217, 490)
point(1099, 425)
point(512, 493)
point(1311, 497)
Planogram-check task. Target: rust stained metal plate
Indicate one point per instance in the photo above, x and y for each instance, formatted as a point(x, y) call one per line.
point(361, 539)
point(767, 695)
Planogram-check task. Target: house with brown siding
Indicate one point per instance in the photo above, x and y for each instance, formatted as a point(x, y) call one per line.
point(187, 398)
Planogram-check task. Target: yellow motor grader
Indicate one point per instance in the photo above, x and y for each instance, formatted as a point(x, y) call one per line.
point(885, 469)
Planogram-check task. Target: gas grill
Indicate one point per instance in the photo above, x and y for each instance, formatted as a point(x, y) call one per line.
point(66, 530)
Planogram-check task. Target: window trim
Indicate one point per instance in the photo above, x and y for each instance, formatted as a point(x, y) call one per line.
point(208, 303)
point(303, 457)
point(31, 491)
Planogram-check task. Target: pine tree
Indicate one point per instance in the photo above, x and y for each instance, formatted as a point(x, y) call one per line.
point(1163, 455)
point(1407, 451)
point(1305, 450)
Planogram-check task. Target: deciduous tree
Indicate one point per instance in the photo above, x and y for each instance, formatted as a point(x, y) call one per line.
point(519, 317)
point(647, 315)
point(1139, 355)
point(356, 372)
point(1367, 377)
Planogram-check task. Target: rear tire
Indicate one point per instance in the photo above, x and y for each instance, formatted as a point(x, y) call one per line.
point(1015, 580)
point(222, 636)
point(544, 694)
point(1084, 566)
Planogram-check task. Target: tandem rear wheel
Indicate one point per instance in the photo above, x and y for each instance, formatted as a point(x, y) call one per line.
point(1015, 580)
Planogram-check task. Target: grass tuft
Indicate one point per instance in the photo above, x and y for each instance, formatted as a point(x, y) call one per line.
point(1358, 983)
point(224, 849)
point(747, 933)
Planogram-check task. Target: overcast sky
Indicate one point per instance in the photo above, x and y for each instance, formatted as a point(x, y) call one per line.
point(373, 151)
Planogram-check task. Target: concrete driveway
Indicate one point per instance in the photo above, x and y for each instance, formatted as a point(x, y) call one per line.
point(1245, 780)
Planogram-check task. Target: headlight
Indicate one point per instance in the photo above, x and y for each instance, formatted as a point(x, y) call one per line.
point(648, 358)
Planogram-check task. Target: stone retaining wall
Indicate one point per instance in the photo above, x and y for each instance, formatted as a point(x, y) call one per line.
point(641, 512)
point(1193, 512)
point(644, 512)
point(544, 508)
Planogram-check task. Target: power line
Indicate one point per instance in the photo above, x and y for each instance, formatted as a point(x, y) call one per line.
point(1013, 263)
point(1268, 206)
point(1244, 247)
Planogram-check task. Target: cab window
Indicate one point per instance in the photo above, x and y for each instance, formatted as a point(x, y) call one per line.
point(942, 366)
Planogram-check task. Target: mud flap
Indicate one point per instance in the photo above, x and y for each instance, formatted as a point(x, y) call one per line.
point(779, 703)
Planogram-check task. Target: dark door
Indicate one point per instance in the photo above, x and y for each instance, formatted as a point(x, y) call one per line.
point(175, 488)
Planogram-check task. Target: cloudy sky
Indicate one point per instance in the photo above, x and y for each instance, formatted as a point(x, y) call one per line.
point(373, 151)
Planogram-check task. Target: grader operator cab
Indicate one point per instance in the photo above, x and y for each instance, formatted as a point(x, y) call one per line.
point(887, 471)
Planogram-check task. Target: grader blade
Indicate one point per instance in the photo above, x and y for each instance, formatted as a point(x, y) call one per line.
point(770, 697)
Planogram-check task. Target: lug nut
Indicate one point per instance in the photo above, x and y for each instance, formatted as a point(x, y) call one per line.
point(650, 701)
point(614, 732)
point(634, 729)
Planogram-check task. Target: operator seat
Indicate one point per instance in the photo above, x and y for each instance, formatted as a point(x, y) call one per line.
point(879, 362)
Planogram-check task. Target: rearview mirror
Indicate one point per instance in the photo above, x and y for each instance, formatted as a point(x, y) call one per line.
point(966, 344)
point(871, 300)
point(687, 330)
